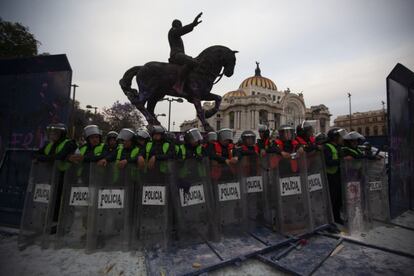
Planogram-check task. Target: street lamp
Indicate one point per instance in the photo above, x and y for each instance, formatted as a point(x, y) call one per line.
point(350, 114)
point(170, 100)
point(92, 107)
point(73, 109)
point(160, 115)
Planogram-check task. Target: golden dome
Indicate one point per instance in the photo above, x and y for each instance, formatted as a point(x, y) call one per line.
point(258, 80)
point(235, 94)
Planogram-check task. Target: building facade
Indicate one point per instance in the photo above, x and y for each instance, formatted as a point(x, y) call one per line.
point(370, 123)
point(259, 101)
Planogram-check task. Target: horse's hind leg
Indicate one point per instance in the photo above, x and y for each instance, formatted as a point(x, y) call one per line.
point(139, 103)
point(201, 116)
point(151, 106)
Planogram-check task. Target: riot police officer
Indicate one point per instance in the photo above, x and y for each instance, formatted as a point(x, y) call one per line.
point(127, 151)
point(286, 141)
point(304, 136)
point(332, 152)
point(111, 141)
point(159, 149)
point(350, 149)
point(94, 150)
point(58, 147)
point(192, 148)
point(248, 145)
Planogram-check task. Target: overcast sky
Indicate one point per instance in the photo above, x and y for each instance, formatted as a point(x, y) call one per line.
point(323, 48)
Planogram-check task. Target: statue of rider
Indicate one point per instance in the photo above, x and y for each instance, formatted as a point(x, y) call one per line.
point(177, 54)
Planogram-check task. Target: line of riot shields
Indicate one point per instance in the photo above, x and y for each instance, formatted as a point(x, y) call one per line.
point(195, 200)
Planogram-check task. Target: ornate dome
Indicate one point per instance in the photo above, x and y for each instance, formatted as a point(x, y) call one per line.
point(235, 94)
point(258, 80)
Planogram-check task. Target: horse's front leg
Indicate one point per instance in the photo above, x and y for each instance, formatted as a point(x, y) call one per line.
point(201, 116)
point(217, 101)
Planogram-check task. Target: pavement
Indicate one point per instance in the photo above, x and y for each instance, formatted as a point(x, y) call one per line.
point(320, 255)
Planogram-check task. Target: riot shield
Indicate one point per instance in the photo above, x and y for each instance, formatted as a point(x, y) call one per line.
point(229, 198)
point(108, 213)
point(153, 207)
point(271, 193)
point(192, 199)
point(353, 195)
point(40, 204)
point(292, 198)
point(252, 170)
point(72, 225)
point(318, 189)
point(376, 182)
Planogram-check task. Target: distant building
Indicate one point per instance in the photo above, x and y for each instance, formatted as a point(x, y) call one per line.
point(370, 123)
point(258, 101)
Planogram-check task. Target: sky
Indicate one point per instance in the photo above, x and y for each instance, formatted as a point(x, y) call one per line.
point(323, 48)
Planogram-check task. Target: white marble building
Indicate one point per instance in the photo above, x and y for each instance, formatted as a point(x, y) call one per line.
point(258, 101)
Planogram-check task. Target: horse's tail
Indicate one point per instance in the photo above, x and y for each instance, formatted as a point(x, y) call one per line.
point(126, 82)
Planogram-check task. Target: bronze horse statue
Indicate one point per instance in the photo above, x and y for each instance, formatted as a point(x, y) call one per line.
point(158, 79)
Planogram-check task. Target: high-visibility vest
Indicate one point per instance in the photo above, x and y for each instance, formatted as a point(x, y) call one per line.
point(62, 165)
point(199, 151)
point(256, 148)
point(165, 147)
point(334, 153)
point(96, 151)
point(219, 150)
point(293, 162)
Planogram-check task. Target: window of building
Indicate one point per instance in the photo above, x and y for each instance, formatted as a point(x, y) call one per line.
point(374, 119)
point(367, 131)
point(359, 130)
point(218, 125)
point(383, 130)
point(263, 117)
point(274, 98)
point(231, 119)
point(253, 93)
point(375, 130)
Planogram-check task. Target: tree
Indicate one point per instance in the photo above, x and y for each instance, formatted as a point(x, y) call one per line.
point(16, 40)
point(123, 115)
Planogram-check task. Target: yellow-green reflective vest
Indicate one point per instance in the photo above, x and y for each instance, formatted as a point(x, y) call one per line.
point(334, 152)
point(163, 164)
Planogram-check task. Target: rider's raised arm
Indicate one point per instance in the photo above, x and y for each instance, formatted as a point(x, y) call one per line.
point(183, 30)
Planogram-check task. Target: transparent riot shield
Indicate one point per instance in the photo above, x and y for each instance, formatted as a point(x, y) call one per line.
point(229, 198)
point(154, 208)
point(108, 213)
point(193, 203)
point(376, 182)
point(73, 216)
point(318, 188)
point(271, 189)
point(40, 204)
point(292, 198)
point(353, 194)
point(251, 178)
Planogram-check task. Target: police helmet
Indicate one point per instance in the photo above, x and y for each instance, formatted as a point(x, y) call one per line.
point(143, 134)
point(193, 135)
point(248, 134)
point(286, 132)
point(335, 132)
point(170, 137)
point(91, 130)
point(321, 138)
point(212, 136)
point(225, 134)
point(126, 134)
point(111, 134)
point(57, 127)
point(157, 129)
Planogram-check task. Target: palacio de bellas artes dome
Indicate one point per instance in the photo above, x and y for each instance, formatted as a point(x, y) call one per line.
point(259, 101)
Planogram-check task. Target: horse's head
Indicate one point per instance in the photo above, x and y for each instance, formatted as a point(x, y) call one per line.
point(229, 61)
point(217, 57)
